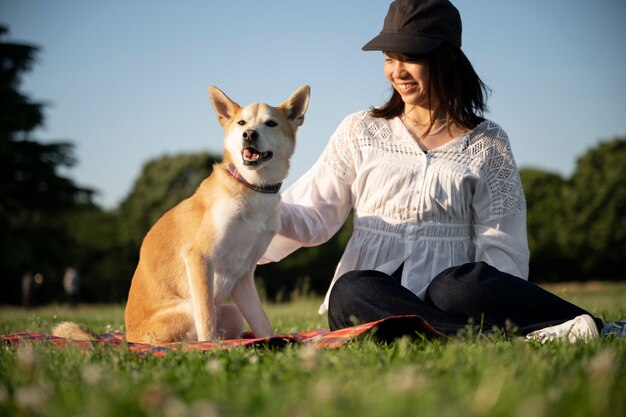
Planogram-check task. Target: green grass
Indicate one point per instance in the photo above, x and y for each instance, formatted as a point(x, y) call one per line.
point(470, 376)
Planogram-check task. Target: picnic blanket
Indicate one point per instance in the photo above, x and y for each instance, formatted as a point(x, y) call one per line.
point(386, 329)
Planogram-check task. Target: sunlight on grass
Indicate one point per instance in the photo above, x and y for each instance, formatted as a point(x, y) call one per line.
point(604, 299)
point(474, 375)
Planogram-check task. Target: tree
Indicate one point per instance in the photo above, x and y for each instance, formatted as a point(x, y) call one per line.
point(546, 221)
point(105, 263)
point(577, 227)
point(33, 195)
point(163, 183)
point(596, 198)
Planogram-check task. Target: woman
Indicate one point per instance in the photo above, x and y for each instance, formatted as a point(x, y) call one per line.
point(439, 210)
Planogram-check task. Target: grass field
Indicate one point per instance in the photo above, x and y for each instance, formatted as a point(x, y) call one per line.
point(473, 375)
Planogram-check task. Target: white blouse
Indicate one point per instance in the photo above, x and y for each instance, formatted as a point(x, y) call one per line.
point(461, 202)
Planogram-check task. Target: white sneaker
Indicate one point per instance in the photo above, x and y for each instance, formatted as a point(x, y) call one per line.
point(580, 328)
point(615, 328)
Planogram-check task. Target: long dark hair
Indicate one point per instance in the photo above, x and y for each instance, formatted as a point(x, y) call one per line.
point(453, 87)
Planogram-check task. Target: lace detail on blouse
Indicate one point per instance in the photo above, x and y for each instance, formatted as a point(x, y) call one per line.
point(488, 147)
point(485, 152)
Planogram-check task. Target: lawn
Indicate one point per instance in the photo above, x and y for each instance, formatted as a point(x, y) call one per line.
point(473, 375)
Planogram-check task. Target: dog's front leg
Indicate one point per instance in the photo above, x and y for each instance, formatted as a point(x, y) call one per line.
point(247, 299)
point(200, 281)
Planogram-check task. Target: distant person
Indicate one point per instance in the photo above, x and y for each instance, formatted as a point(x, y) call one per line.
point(27, 289)
point(71, 285)
point(439, 209)
point(31, 288)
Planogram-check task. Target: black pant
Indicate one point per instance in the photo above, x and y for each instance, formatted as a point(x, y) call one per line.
point(475, 291)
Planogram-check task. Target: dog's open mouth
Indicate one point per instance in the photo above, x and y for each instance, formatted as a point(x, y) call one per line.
point(252, 156)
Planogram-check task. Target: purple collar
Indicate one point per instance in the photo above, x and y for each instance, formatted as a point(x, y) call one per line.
point(266, 189)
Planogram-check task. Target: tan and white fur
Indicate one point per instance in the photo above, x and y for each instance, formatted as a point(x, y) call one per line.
point(204, 250)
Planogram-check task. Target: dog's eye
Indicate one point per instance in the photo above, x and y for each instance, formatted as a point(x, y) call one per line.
point(241, 123)
point(271, 123)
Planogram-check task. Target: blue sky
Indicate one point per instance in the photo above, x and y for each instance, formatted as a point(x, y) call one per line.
point(127, 81)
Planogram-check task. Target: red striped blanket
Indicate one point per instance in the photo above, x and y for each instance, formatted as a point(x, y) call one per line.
point(385, 330)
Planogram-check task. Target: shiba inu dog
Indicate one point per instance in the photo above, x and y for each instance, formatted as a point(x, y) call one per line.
point(204, 250)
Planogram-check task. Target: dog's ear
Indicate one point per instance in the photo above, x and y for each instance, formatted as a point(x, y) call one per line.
point(296, 104)
point(224, 107)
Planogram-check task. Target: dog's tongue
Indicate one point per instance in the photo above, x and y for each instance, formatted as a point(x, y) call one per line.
point(250, 154)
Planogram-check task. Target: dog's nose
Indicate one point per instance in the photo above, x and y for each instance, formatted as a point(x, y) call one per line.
point(250, 135)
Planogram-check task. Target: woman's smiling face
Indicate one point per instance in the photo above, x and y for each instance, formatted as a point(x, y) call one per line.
point(409, 77)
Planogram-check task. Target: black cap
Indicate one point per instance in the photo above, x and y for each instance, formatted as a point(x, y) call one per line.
point(418, 26)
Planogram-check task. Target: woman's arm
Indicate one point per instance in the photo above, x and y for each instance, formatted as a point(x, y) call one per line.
point(317, 205)
point(312, 211)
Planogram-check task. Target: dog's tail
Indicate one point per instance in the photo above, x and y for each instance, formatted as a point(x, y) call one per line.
point(74, 331)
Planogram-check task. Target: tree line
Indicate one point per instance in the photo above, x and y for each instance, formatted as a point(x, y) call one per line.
point(576, 225)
